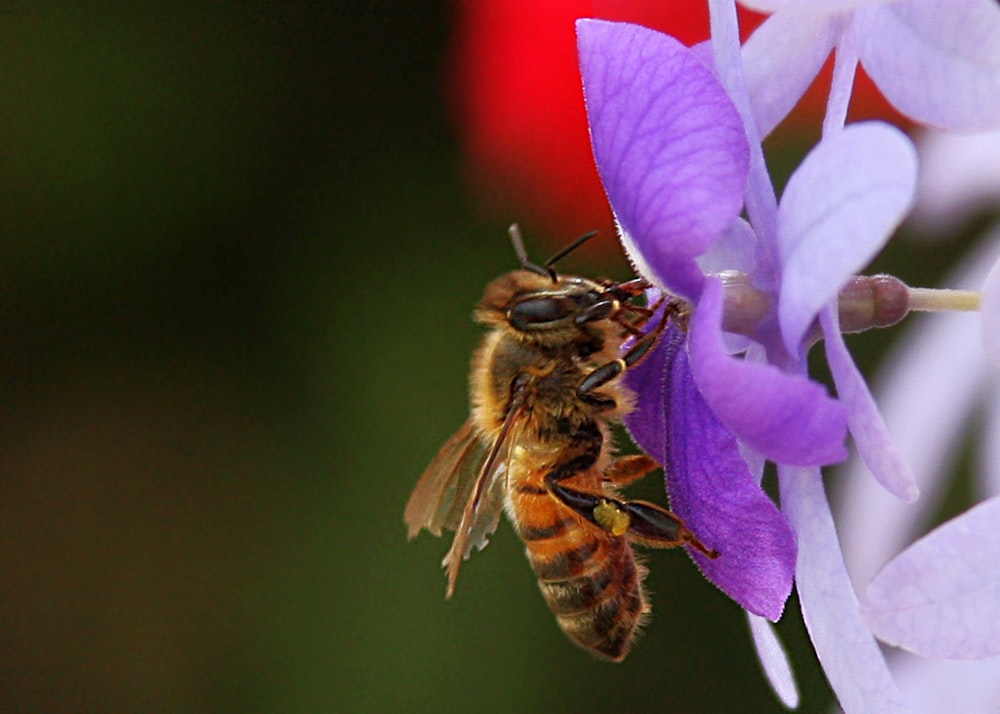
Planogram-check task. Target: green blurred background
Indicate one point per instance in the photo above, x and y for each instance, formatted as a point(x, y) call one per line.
point(238, 265)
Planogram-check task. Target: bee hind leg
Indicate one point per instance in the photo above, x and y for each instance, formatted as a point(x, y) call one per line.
point(640, 521)
point(657, 527)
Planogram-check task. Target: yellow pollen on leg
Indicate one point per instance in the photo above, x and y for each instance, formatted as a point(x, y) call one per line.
point(611, 518)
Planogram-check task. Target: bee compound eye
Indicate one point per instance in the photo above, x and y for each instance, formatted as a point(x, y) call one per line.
point(533, 312)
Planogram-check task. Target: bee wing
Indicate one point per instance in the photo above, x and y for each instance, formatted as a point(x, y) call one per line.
point(485, 503)
point(443, 489)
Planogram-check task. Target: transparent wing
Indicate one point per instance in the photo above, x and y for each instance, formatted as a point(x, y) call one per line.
point(485, 503)
point(444, 488)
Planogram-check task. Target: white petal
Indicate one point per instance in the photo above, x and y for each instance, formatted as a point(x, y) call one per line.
point(937, 62)
point(780, 60)
point(941, 596)
point(774, 660)
point(933, 686)
point(849, 654)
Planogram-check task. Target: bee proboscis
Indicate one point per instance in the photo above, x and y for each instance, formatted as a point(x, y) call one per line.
point(544, 392)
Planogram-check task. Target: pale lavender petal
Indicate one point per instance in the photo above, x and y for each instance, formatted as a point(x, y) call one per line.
point(851, 658)
point(871, 435)
point(838, 210)
point(710, 486)
point(786, 417)
point(988, 471)
point(735, 249)
point(774, 660)
point(938, 63)
point(958, 177)
point(807, 6)
point(933, 686)
point(928, 409)
point(941, 596)
point(669, 144)
point(990, 313)
point(780, 60)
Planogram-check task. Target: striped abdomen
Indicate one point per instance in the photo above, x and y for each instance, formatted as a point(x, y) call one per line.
point(588, 577)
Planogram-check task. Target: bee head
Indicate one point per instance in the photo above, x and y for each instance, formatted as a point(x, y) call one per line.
point(535, 306)
point(541, 305)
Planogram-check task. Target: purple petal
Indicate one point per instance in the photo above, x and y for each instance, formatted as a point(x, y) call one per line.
point(647, 423)
point(849, 654)
point(786, 417)
point(838, 210)
point(711, 488)
point(938, 63)
point(871, 435)
point(774, 661)
point(669, 144)
point(780, 60)
point(941, 596)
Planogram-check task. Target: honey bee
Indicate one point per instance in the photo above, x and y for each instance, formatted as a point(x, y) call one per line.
point(544, 392)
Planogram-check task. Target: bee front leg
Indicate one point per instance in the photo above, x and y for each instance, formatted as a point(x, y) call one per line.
point(606, 372)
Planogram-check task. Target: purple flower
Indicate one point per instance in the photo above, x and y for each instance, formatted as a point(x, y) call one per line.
point(672, 152)
point(679, 153)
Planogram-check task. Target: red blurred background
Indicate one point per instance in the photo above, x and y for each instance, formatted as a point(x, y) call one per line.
point(516, 98)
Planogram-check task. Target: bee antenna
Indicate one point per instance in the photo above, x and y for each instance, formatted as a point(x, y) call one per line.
point(569, 249)
point(522, 254)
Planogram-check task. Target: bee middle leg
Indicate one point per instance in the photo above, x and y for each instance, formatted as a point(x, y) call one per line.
point(628, 469)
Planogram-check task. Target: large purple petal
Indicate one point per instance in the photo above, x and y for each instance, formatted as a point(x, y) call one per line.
point(938, 63)
point(838, 210)
point(669, 145)
point(788, 418)
point(849, 654)
point(941, 596)
point(711, 488)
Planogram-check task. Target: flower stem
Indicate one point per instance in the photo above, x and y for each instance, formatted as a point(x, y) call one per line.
point(866, 302)
point(932, 300)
